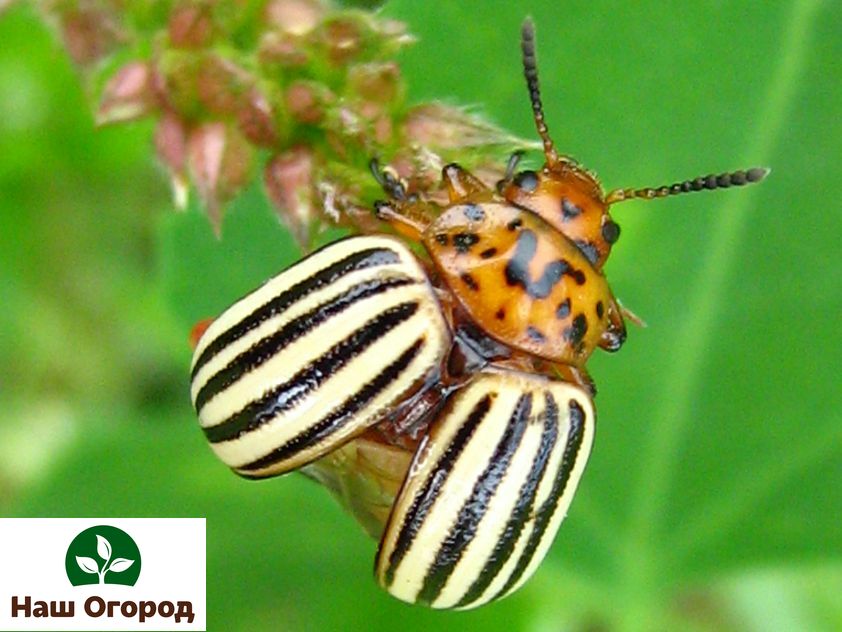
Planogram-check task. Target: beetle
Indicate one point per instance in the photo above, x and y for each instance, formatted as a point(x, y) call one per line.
point(470, 358)
point(316, 355)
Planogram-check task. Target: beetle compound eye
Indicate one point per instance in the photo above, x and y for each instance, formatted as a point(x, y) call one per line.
point(316, 355)
point(488, 491)
point(527, 181)
point(611, 231)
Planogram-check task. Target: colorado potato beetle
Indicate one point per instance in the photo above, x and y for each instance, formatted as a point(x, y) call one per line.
point(465, 365)
point(316, 355)
point(488, 488)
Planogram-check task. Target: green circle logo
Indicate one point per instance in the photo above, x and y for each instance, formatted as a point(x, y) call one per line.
point(102, 555)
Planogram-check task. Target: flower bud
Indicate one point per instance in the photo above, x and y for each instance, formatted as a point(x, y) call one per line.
point(221, 85)
point(343, 38)
point(296, 17)
point(171, 141)
point(306, 101)
point(128, 94)
point(190, 26)
point(288, 178)
point(378, 82)
point(282, 49)
point(90, 34)
point(171, 147)
point(256, 118)
point(219, 159)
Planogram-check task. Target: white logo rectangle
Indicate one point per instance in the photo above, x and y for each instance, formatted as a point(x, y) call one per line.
point(102, 574)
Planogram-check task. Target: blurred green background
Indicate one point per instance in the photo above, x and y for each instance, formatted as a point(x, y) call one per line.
point(713, 497)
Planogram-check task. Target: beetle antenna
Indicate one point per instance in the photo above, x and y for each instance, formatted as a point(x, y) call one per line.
point(530, 71)
point(702, 183)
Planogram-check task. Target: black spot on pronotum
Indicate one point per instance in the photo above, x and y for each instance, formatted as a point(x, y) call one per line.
point(463, 242)
point(535, 334)
point(563, 309)
point(469, 280)
point(610, 231)
point(442, 239)
point(501, 314)
point(514, 224)
point(590, 251)
point(473, 212)
point(600, 309)
point(527, 181)
point(517, 269)
point(569, 210)
point(577, 330)
point(488, 253)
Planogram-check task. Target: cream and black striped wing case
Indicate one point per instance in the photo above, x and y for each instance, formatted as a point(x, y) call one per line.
point(487, 491)
point(316, 355)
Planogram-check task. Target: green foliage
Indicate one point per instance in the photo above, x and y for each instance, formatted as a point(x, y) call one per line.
point(712, 498)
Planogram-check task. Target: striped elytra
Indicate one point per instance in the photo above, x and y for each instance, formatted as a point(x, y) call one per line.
point(486, 491)
point(316, 355)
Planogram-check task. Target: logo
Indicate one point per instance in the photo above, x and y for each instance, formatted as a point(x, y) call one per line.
point(102, 555)
point(102, 574)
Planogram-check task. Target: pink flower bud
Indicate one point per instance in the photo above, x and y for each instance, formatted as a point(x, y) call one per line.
point(343, 38)
point(127, 95)
point(378, 82)
point(283, 49)
point(171, 142)
point(297, 17)
point(90, 34)
point(288, 178)
point(305, 101)
point(221, 85)
point(383, 130)
point(190, 26)
point(256, 119)
point(219, 159)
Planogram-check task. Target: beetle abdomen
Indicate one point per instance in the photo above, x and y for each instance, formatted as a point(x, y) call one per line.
point(487, 491)
point(316, 355)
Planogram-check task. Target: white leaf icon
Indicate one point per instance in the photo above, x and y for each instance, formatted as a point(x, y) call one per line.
point(120, 564)
point(103, 547)
point(87, 564)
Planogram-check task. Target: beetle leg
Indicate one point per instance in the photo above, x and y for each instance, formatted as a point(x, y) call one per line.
point(576, 375)
point(409, 221)
point(407, 214)
point(615, 335)
point(460, 184)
